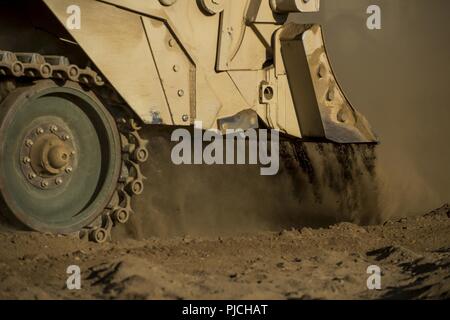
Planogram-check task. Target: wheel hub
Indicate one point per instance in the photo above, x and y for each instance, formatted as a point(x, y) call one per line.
point(48, 156)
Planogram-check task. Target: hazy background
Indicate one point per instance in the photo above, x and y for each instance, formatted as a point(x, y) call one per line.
point(398, 77)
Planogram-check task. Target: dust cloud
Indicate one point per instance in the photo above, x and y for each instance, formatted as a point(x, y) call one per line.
point(398, 78)
point(317, 185)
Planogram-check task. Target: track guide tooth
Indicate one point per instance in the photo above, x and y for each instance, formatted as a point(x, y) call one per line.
point(9, 65)
point(89, 76)
point(62, 68)
point(35, 65)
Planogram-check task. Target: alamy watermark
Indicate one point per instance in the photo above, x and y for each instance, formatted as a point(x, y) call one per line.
point(74, 280)
point(374, 280)
point(73, 21)
point(374, 19)
point(234, 147)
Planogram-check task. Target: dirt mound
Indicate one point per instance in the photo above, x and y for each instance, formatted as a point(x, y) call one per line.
point(132, 277)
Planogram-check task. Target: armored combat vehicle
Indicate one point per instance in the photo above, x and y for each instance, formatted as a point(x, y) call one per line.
point(80, 78)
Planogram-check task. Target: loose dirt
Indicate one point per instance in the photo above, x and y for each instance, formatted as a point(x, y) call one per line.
point(323, 263)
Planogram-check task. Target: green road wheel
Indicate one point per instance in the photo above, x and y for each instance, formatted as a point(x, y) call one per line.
point(60, 156)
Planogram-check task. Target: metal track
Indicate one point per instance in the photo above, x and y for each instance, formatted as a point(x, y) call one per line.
point(34, 66)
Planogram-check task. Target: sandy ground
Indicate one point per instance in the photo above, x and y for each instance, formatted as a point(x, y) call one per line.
point(227, 233)
point(324, 263)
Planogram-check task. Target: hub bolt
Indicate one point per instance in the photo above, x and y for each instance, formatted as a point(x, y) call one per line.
point(44, 184)
point(53, 128)
point(65, 137)
point(29, 142)
point(31, 176)
point(39, 131)
point(26, 160)
point(59, 181)
point(69, 169)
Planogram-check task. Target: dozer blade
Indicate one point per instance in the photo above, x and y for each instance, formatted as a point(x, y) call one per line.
point(322, 107)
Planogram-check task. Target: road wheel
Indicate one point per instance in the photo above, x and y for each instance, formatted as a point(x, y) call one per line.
point(60, 157)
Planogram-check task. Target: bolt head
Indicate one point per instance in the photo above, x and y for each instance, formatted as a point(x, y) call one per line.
point(322, 71)
point(39, 131)
point(53, 128)
point(142, 154)
point(331, 94)
point(122, 214)
point(100, 235)
point(44, 184)
point(59, 181)
point(137, 188)
point(180, 92)
point(185, 117)
point(17, 67)
point(46, 69)
point(176, 68)
point(29, 142)
point(31, 176)
point(73, 72)
point(26, 160)
point(69, 170)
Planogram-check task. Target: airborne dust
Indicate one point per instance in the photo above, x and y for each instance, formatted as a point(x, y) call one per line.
point(317, 185)
point(398, 78)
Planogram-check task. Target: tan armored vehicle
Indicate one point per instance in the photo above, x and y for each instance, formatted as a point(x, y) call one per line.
point(79, 78)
